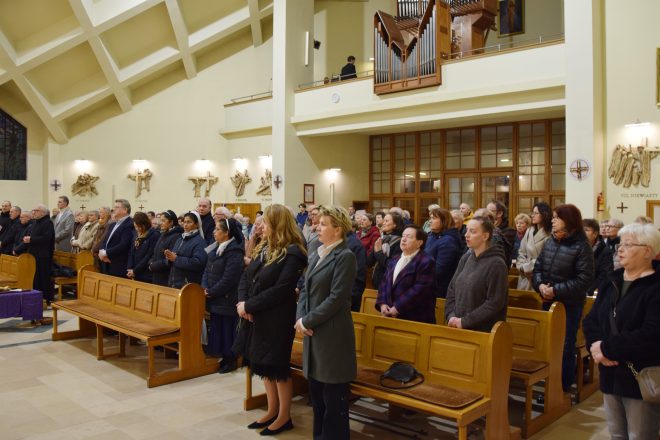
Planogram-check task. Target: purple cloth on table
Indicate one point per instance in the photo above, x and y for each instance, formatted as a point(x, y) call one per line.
point(27, 304)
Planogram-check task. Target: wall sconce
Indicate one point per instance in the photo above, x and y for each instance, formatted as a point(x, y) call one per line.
point(140, 164)
point(82, 165)
point(333, 173)
point(203, 165)
point(637, 124)
point(240, 163)
point(266, 160)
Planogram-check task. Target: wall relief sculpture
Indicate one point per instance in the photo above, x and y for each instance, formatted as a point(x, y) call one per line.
point(85, 186)
point(632, 166)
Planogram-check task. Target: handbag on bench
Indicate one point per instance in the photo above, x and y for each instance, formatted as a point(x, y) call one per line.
point(404, 373)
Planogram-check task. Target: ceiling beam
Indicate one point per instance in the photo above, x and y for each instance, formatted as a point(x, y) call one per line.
point(255, 23)
point(181, 35)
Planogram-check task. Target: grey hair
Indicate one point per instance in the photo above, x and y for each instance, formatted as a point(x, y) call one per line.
point(18, 208)
point(397, 210)
point(458, 214)
point(616, 222)
point(125, 203)
point(433, 206)
point(95, 212)
point(645, 234)
point(225, 211)
point(44, 208)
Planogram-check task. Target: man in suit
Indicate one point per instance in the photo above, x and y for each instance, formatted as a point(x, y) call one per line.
point(116, 247)
point(41, 243)
point(64, 223)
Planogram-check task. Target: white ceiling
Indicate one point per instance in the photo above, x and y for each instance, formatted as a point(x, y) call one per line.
point(68, 58)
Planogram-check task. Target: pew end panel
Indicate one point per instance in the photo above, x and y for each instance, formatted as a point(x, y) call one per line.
point(75, 261)
point(587, 377)
point(17, 271)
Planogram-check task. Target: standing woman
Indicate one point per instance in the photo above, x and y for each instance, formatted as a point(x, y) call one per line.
point(522, 222)
point(368, 232)
point(170, 231)
point(324, 317)
point(188, 257)
point(224, 268)
point(444, 246)
point(144, 241)
point(532, 243)
point(267, 298)
point(87, 232)
point(623, 329)
point(563, 272)
point(478, 292)
point(386, 247)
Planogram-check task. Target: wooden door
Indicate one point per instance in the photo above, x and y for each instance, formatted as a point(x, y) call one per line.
point(249, 209)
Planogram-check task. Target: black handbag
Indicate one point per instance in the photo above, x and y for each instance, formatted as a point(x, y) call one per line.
point(404, 373)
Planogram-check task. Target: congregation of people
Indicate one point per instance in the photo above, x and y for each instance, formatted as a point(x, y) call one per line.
point(306, 271)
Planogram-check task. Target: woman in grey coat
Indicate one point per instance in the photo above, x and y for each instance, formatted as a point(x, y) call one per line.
point(324, 317)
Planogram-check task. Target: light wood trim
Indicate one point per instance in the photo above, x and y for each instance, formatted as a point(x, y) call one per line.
point(17, 272)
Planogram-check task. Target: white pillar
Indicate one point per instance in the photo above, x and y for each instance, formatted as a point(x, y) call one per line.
point(584, 101)
point(292, 21)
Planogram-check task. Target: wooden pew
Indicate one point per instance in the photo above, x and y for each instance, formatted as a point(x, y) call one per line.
point(74, 261)
point(538, 341)
point(17, 272)
point(466, 372)
point(158, 315)
point(538, 338)
point(525, 299)
point(513, 281)
point(587, 381)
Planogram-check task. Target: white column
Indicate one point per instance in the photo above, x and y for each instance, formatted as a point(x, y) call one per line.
point(584, 101)
point(292, 21)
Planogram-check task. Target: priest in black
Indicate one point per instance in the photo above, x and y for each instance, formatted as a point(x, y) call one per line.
point(41, 244)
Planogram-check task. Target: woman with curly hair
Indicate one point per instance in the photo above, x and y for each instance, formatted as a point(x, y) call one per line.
point(267, 304)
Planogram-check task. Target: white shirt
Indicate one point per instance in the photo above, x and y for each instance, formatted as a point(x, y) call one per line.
point(324, 250)
point(403, 262)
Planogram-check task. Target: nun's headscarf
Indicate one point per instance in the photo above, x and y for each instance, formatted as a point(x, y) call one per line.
point(196, 216)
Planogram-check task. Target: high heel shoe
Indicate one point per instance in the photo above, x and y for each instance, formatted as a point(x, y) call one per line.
point(286, 427)
point(257, 425)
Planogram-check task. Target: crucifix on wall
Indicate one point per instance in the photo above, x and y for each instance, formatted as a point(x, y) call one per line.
point(142, 181)
point(207, 181)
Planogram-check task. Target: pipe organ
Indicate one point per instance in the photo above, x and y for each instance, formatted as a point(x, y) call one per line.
point(409, 48)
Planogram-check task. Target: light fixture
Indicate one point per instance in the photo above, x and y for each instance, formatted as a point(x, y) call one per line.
point(203, 165)
point(505, 160)
point(82, 165)
point(336, 170)
point(409, 176)
point(371, 58)
point(140, 164)
point(264, 156)
point(422, 173)
point(236, 159)
point(637, 123)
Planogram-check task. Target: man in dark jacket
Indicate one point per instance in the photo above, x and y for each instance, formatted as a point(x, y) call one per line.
point(498, 209)
point(24, 228)
point(360, 282)
point(41, 244)
point(8, 233)
point(115, 249)
point(208, 223)
point(603, 259)
point(4, 215)
point(348, 71)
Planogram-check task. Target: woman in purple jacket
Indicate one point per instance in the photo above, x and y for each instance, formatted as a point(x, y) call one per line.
point(407, 290)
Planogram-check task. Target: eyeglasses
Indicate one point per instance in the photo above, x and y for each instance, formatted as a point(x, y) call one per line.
point(630, 245)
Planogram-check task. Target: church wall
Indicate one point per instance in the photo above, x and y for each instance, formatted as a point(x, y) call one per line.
point(631, 72)
point(172, 131)
point(542, 18)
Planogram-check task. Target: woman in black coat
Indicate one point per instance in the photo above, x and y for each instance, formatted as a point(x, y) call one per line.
point(144, 241)
point(267, 299)
point(386, 247)
point(170, 231)
point(563, 272)
point(188, 257)
point(224, 268)
point(623, 327)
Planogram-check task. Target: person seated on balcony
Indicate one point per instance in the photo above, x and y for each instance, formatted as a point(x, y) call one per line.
point(348, 71)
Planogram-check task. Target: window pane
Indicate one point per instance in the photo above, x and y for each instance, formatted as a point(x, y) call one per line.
point(488, 161)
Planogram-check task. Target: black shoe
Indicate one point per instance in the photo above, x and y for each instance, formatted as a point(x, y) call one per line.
point(288, 426)
point(257, 425)
point(228, 367)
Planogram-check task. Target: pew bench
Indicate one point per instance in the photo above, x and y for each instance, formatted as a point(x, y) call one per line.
point(159, 316)
point(466, 373)
point(76, 262)
point(538, 341)
point(525, 299)
point(587, 379)
point(17, 272)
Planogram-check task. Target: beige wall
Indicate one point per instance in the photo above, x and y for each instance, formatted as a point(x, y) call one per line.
point(630, 95)
point(542, 17)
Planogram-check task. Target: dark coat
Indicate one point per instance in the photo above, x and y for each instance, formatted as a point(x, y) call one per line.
point(413, 293)
point(190, 261)
point(221, 278)
point(612, 243)
point(360, 281)
point(5, 219)
point(446, 250)
point(478, 293)
point(8, 237)
point(603, 265)
point(22, 231)
point(637, 317)
point(42, 246)
point(568, 265)
point(378, 260)
point(138, 258)
point(270, 297)
point(325, 308)
point(117, 247)
point(159, 266)
point(208, 225)
point(368, 238)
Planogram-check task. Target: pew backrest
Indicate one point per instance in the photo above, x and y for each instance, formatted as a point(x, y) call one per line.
point(525, 299)
point(17, 271)
point(75, 261)
point(538, 335)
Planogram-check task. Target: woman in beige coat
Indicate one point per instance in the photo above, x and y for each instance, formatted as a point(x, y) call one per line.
point(87, 231)
point(532, 243)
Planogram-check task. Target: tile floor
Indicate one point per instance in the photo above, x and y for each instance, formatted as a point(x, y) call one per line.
point(58, 390)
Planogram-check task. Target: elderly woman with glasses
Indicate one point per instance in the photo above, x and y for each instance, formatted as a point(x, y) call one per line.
point(623, 329)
